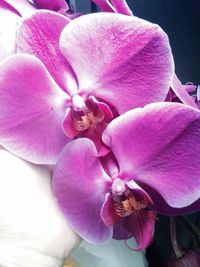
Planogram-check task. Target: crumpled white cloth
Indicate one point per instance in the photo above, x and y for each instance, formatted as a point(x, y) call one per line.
point(112, 254)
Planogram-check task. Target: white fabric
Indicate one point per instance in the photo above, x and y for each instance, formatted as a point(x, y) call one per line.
point(112, 254)
point(33, 231)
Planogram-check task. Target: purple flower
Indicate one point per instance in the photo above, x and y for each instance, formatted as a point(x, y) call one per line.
point(92, 69)
point(154, 149)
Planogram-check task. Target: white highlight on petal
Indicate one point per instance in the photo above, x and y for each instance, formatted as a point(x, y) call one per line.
point(118, 186)
point(78, 102)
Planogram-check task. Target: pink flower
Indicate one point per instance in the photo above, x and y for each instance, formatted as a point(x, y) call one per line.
point(92, 68)
point(154, 158)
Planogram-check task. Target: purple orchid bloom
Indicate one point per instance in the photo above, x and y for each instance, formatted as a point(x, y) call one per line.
point(102, 65)
point(154, 149)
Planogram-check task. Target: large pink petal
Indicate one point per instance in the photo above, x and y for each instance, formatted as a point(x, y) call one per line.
point(121, 59)
point(39, 35)
point(80, 185)
point(32, 109)
point(159, 145)
point(9, 20)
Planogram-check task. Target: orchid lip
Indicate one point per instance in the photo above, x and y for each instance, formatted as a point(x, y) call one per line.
point(86, 113)
point(124, 200)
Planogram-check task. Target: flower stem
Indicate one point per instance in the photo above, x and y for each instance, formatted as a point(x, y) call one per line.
point(181, 92)
point(194, 231)
point(105, 5)
point(122, 7)
point(178, 252)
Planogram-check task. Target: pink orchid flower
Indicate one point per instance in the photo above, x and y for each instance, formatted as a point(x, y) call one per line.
point(11, 14)
point(154, 149)
point(89, 70)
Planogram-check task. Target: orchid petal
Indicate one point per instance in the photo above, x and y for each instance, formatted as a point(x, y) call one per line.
point(32, 108)
point(165, 209)
point(162, 207)
point(108, 213)
point(80, 184)
point(5, 6)
point(39, 35)
point(123, 60)
point(22, 6)
point(159, 146)
point(51, 4)
point(141, 226)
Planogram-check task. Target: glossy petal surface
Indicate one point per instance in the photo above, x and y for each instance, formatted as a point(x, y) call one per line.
point(39, 35)
point(32, 108)
point(159, 146)
point(124, 60)
point(80, 184)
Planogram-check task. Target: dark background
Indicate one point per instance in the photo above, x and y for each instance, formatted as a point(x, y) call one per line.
point(180, 19)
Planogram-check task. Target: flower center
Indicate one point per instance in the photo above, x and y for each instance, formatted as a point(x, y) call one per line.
point(126, 205)
point(124, 200)
point(86, 114)
point(86, 118)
